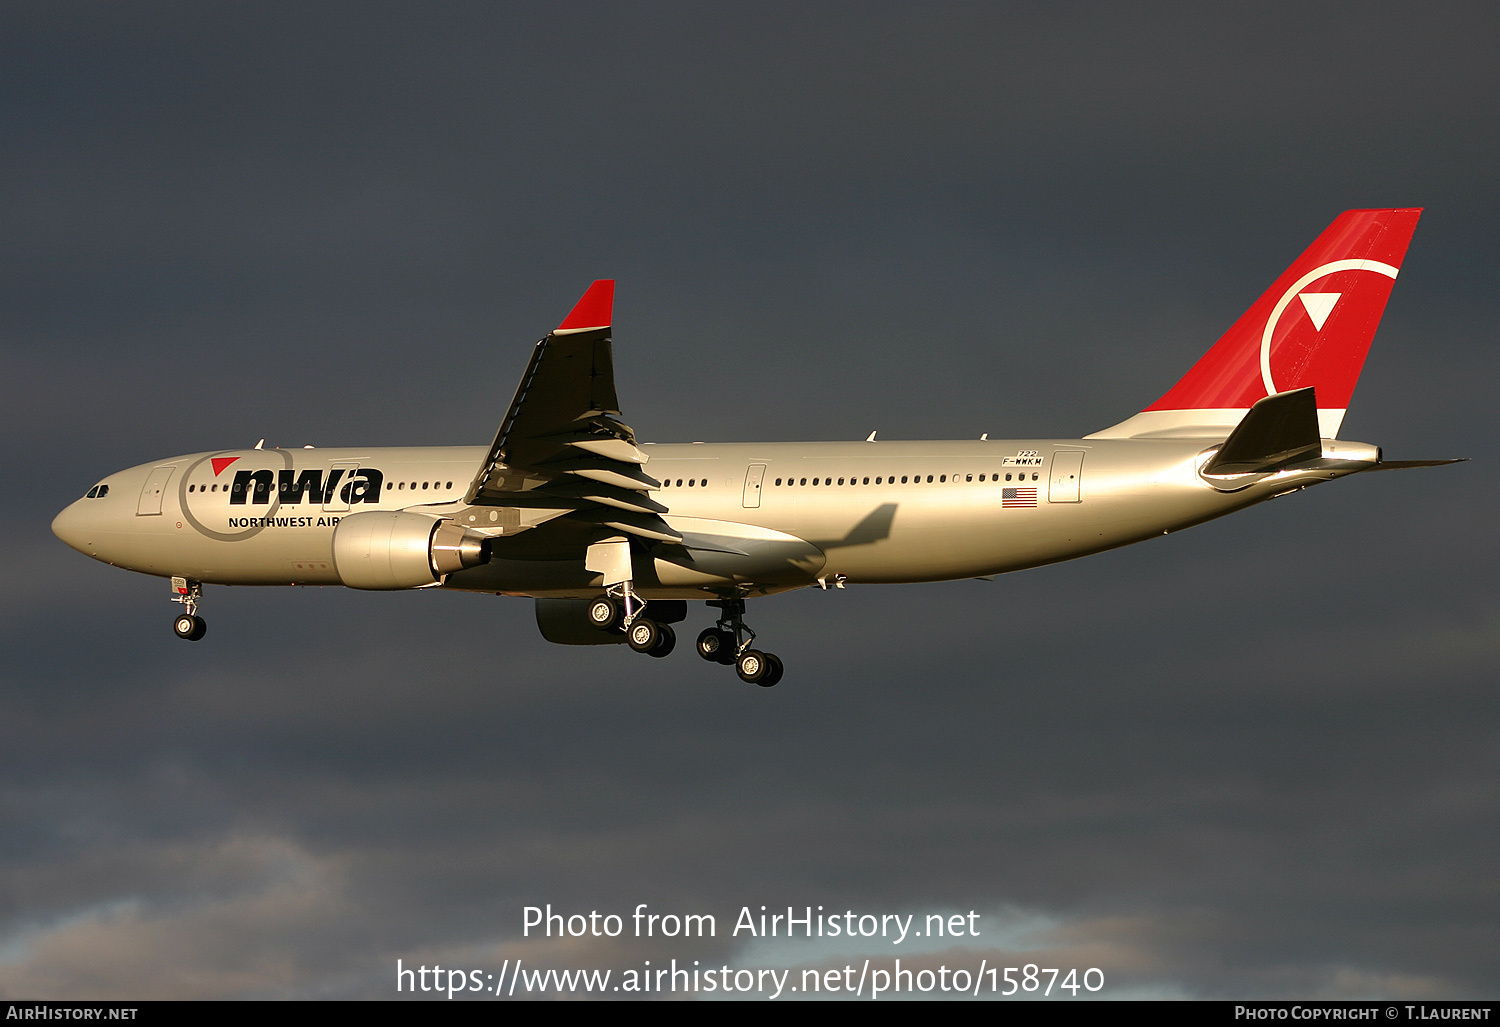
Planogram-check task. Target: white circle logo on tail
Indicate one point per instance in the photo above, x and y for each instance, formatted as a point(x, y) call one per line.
point(1317, 304)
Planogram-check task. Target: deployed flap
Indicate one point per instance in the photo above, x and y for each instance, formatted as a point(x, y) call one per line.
point(599, 492)
point(642, 525)
point(561, 411)
point(1276, 431)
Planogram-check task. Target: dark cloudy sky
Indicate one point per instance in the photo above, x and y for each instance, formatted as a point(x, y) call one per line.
point(1256, 759)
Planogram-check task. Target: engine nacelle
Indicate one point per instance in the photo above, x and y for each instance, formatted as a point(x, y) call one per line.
point(391, 549)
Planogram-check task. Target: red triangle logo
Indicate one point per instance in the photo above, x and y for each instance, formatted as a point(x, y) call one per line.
point(221, 462)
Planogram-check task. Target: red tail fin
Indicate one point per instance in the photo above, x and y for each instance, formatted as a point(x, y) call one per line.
point(1312, 327)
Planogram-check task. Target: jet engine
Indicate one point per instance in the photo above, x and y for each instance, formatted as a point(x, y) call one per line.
point(390, 549)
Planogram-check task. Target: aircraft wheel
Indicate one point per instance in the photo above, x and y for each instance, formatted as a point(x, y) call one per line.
point(190, 627)
point(605, 614)
point(754, 667)
point(644, 635)
point(666, 645)
point(774, 674)
point(716, 646)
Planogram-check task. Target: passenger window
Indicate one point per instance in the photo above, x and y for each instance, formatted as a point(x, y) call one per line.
point(968, 477)
point(1033, 477)
point(903, 479)
point(402, 486)
point(929, 479)
point(867, 481)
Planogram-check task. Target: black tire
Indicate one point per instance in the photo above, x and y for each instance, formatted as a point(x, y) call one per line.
point(189, 627)
point(643, 635)
point(666, 645)
point(774, 674)
point(605, 614)
point(753, 666)
point(715, 645)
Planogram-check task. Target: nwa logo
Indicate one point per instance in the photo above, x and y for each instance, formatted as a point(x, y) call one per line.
point(1295, 351)
point(292, 487)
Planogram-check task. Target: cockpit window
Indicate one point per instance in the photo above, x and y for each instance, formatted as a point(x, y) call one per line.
point(97, 491)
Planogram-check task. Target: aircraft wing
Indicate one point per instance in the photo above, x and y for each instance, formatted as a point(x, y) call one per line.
point(559, 445)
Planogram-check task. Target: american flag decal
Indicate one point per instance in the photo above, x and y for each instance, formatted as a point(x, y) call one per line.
point(1017, 497)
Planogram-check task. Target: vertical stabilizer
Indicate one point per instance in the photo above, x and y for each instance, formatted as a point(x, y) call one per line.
point(1312, 328)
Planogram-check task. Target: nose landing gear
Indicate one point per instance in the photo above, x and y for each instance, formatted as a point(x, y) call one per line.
point(721, 644)
point(188, 624)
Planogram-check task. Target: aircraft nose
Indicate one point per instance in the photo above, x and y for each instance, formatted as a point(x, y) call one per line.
point(72, 526)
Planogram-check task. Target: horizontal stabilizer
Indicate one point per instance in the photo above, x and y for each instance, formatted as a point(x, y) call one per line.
point(1402, 465)
point(1277, 431)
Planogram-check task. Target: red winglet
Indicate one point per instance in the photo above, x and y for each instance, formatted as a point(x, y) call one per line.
point(593, 311)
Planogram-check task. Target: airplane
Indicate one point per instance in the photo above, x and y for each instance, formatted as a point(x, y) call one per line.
point(562, 508)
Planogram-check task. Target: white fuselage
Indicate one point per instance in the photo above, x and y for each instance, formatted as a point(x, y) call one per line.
point(857, 512)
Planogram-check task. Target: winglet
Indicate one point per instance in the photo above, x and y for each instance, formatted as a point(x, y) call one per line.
point(593, 311)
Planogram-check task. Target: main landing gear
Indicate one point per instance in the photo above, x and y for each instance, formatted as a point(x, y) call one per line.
point(721, 644)
point(624, 612)
point(188, 624)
